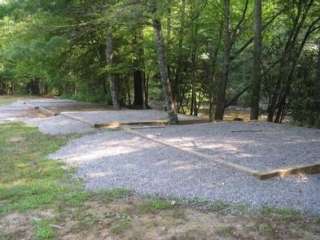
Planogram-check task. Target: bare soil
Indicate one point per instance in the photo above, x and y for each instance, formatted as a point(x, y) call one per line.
point(132, 219)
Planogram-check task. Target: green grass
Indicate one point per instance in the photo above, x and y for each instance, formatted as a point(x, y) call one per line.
point(154, 205)
point(286, 214)
point(218, 206)
point(121, 224)
point(44, 230)
point(112, 194)
point(28, 180)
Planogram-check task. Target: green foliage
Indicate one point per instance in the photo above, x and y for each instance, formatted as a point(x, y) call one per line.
point(59, 47)
point(304, 105)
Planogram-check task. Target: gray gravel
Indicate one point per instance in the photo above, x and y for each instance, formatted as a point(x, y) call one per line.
point(23, 111)
point(259, 146)
point(59, 125)
point(119, 159)
point(73, 121)
point(63, 105)
point(14, 112)
point(100, 116)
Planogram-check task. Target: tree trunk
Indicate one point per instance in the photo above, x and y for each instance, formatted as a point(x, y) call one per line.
point(163, 68)
point(213, 51)
point(128, 93)
point(146, 91)
point(138, 74)
point(2, 87)
point(256, 70)
point(222, 83)
point(194, 40)
point(138, 89)
point(317, 80)
point(114, 85)
point(179, 61)
point(289, 61)
point(33, 87)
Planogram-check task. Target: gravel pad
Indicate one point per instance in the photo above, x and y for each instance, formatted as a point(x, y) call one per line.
point(259, 146)
point(119, 159)
point(56, 125)
point(59, 125)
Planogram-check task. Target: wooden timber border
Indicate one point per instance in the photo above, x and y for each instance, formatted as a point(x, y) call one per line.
point(43, 110)
point(283, 172)
point(120, 124)
point(46, 111)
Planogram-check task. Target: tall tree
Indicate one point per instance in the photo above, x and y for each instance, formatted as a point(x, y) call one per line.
point(256, 70)
point(179, 59)
point(138, 73)
point(163, 66)
point(298, 34)
point(114, 85)
point(317, 80)
point(222, 82)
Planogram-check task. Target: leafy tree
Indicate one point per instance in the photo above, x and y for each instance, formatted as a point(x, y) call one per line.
point(190, 56)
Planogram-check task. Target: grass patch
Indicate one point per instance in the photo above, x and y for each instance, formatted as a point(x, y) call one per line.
point(218, 206)
point(28, 179)
point(121, 224)
point(111, 195)
point(225, 231)
point(43, 230)
point(266, 229)
point(154, 205)
point(285, 214)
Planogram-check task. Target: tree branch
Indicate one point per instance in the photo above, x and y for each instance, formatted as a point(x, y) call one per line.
point(250, 41)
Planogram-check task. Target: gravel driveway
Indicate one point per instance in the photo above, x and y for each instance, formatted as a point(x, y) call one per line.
point(119, 159)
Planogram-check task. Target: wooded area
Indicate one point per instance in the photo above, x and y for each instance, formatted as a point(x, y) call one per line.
point(191, 56)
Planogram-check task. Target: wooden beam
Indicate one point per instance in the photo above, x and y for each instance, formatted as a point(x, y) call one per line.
point(283, 172)
point(46, 111)
point(148, 123)
point(42, 110)
point(117, 124)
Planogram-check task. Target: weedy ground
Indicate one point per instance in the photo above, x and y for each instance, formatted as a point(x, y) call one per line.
point(39, 199)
